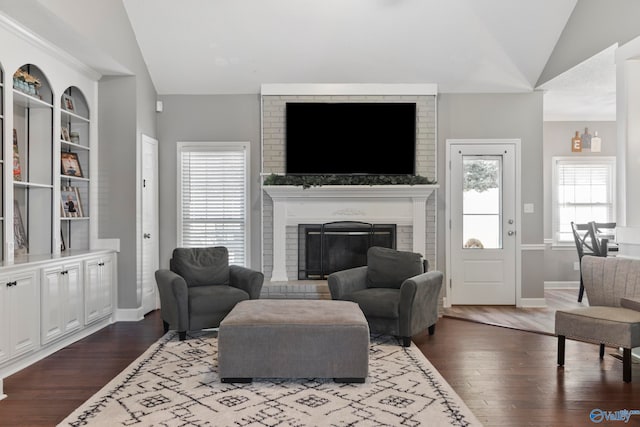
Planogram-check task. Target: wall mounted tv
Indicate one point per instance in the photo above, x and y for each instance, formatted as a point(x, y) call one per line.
point(326, 138)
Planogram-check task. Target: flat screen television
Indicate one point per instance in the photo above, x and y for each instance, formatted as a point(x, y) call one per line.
point(326, 138)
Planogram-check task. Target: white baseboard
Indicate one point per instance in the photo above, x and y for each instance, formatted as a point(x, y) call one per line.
point(533, 303)
point(2, 395)
point(129, 314)
point(562, 285)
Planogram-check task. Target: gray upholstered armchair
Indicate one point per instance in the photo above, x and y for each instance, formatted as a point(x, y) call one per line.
point(393, 291)
point(201, 288)
point(613, 315)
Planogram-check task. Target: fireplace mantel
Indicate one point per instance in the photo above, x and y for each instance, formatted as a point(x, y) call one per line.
point(377, 204)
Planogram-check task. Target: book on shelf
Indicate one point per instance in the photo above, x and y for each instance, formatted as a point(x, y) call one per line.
point(20, 241)
point(17, 171)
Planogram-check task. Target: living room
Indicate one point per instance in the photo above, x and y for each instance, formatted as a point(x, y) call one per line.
point(132, 98)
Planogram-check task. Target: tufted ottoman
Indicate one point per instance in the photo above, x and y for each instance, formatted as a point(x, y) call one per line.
point(271, 338)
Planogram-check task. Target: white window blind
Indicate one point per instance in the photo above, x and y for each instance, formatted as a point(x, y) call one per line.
point(212, 197)
point(584, 191)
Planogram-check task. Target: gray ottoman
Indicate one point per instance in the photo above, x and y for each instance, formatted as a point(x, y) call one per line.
point(294, 339)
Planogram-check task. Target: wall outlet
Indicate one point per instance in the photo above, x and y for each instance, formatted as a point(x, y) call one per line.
point(576, 266)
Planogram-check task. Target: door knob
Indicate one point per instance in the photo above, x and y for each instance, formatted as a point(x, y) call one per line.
point(146, 235)
point(511, 232)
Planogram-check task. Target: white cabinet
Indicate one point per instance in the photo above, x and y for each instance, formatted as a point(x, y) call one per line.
point(20, 314)
point(62, 302)
point(98, 273)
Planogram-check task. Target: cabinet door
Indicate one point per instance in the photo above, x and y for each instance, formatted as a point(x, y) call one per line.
point(61, 301)
point(4, 321)
point(53, 301)
point(23, 311)
point(106, 285)
point(73, 308)
point(92, 293)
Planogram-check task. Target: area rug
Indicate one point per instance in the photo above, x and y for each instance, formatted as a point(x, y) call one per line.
point(175, 383)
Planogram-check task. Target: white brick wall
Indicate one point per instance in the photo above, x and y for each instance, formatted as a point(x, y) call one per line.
point(273, 146)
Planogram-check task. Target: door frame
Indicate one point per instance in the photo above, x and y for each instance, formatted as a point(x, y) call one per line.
point(516, 143)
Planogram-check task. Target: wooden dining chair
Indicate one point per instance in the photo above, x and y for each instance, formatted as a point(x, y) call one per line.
point(587, 243)
point(605, 232)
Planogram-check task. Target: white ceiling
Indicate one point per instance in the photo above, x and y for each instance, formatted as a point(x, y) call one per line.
point(234, 46)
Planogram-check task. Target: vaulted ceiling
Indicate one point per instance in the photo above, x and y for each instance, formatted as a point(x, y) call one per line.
point(233, 46)
point(205, 47)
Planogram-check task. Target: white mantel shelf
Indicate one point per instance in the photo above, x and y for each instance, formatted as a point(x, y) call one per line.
point(384, 191)
point(376, 204)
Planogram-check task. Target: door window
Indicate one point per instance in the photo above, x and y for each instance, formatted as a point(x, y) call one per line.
point(481, 202)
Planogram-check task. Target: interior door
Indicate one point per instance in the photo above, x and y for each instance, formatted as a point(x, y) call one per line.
point(150, 244)
point(482, 212)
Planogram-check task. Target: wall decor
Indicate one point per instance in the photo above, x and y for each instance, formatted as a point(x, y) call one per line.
point(596, 143)
point(586, 140)
point(576, 143)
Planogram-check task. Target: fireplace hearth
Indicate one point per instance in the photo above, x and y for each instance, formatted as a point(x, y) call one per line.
point(326, 248)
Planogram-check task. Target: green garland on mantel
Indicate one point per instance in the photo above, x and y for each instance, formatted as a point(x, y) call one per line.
point(307, 181)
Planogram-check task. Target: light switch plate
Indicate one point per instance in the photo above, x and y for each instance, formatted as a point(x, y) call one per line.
point(528, 208)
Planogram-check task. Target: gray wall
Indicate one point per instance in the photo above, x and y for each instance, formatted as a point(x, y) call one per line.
point(237, 118)
point(559, 261)
point(117, 177)
point(206, 118)
point(500, 116)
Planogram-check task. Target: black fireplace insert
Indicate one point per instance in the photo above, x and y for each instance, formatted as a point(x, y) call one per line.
point(326, 248)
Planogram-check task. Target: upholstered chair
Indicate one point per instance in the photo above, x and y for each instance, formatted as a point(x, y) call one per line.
point(613, 315)
point(393, 291)
point(201, 288)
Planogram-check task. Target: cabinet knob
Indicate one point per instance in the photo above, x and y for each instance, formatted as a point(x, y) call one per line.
point(146, 235)
point(101, 264)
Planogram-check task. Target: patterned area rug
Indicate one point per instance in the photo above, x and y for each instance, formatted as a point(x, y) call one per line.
point(175, 383)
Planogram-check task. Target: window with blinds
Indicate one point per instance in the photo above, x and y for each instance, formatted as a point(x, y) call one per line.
point(212, 197)
point(583, 191)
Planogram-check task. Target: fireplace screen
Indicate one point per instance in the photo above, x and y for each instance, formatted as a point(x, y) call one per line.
point(326, 248)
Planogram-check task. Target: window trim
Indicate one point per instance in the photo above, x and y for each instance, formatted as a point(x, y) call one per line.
point(610, 160)
point(182, 146)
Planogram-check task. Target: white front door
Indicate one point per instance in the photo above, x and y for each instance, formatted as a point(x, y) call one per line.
point(150, 228)
point(482, 211)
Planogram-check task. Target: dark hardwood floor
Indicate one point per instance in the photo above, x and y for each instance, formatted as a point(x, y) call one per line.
point(525, 319)
point(506, 376)
point(46, 392)
point(509, 377)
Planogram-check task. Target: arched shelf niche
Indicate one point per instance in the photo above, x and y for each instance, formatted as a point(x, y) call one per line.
point(33, 177)
point(75, 173)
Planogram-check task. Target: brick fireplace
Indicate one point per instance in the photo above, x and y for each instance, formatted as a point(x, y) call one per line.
point(412, 209)
point(401, 205)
